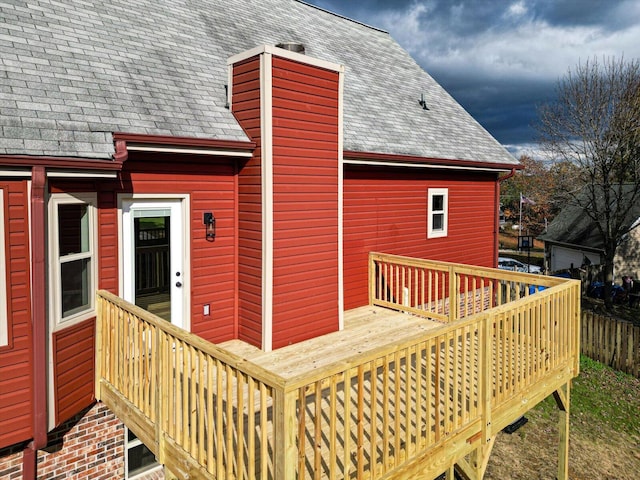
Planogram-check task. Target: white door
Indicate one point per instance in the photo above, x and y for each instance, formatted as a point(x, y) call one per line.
point(153, 257)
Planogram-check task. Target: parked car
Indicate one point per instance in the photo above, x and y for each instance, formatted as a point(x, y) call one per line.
point(506, 263)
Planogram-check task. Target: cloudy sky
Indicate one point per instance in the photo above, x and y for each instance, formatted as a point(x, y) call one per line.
point(500, 59)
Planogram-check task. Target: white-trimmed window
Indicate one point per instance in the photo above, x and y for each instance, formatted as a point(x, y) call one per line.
point(438, 212)
point(138, 458)
point(72, 257)
point(4, 293)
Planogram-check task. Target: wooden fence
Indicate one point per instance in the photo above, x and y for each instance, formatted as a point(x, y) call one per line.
point(613, 342)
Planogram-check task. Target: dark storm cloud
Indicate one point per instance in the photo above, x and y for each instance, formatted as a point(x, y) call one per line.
point(610, 15)
point(468, 18)
point(500, 59)
point(505, 108)
point(477, 15)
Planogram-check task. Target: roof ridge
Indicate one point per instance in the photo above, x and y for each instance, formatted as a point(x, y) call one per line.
point(342, 16)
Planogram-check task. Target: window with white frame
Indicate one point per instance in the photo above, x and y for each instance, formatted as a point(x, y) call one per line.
point(72, 257)
point(138, 458)
point(4, 320)
point(438, 208)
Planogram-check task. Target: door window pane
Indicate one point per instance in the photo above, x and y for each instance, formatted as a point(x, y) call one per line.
point(152, 264)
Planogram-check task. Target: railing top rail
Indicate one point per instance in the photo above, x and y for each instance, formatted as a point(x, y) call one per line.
point(460, 268)
point(242, 364)
point(411, 261)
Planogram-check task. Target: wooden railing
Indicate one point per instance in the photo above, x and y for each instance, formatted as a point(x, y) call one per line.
point(199, 408)
point(429, 288)
point(393, 405)
point(415, 406)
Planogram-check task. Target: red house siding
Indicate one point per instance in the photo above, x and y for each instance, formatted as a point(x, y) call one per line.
point(305, 201)
point(246, 108)
point(210, 185)
point(16, 365)
point(385, 210)
point(108, 238)
point(73, 369)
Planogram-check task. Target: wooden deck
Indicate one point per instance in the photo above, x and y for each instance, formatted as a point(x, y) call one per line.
point(393, 395)
point(365, 329)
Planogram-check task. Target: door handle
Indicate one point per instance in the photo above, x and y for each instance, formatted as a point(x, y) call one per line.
point(178, 284)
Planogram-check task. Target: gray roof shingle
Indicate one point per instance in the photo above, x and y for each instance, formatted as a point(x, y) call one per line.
point(573, 226)
point(73, 72)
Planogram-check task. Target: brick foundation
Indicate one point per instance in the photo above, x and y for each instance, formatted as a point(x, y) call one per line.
point(90, 446)
point(11, 463)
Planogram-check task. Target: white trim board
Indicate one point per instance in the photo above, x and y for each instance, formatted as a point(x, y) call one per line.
point(266, 165)
point(4, 320)
point(288, 54)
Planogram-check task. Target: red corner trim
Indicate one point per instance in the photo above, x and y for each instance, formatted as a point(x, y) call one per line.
point(38, 319)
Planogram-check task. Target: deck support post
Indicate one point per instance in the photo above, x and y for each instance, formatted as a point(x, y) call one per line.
point(562, 397)
point(285, 426)
point(478, 461)
point(476, 466)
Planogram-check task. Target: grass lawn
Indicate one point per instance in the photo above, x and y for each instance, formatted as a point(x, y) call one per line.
point(604, 432)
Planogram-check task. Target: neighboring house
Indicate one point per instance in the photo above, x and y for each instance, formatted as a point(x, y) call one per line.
point(572, 240)
point(173, 154)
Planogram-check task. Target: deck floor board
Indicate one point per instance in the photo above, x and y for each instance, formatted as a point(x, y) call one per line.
point(365, 329)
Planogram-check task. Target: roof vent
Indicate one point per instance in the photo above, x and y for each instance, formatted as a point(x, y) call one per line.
point(292, 46)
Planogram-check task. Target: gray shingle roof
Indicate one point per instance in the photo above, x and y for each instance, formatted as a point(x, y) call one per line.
point(572, 226)
point(73, 72)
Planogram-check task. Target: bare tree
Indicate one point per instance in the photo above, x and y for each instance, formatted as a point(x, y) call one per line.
point(594, 123)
